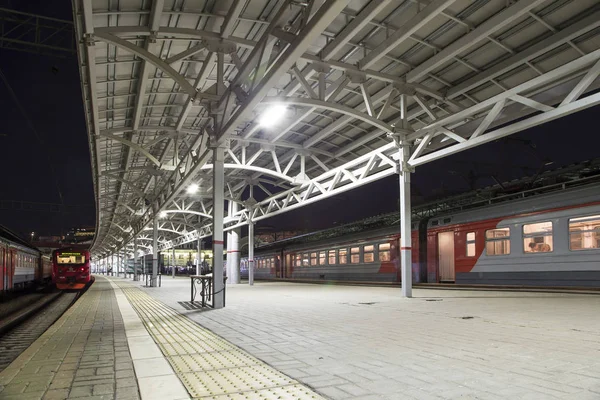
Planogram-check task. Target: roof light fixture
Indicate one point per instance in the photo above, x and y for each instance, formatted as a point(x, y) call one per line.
point(272, 116)
point(193, 188)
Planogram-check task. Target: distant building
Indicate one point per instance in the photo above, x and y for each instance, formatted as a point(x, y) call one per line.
point(80, 236)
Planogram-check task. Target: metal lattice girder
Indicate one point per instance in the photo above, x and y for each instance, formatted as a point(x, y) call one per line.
point(383, 162)
point(163, 85)
point(35, 33)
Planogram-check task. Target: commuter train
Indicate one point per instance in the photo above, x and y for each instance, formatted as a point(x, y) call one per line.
point(550, 239)
point(21, 264)
point(71, 268)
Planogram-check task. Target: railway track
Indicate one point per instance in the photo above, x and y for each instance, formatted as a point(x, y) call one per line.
point(21, 328)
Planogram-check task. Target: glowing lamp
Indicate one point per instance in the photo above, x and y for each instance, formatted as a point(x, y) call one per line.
point(272, 116)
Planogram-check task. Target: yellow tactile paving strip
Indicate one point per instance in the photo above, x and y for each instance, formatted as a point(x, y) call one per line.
point(209, 366)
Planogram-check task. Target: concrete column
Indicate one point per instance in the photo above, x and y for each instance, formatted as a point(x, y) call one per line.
point(173, 273)
point(112, 264)
point(251, 252)
point(405, 209)
point(153, 281)
point(218, 206)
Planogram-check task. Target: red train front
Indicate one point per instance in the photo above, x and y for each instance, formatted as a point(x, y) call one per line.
point(70, 268)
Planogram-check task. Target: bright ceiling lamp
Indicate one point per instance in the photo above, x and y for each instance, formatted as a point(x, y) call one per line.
point(272, 116)
point(193, 188)
point(162, 215)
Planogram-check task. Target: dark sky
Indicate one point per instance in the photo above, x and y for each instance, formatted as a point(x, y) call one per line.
point(48, 90)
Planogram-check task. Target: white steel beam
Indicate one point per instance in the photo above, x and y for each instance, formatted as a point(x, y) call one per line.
point(528, 54)
point(431, 11)
point(493, 24)
point(318, 23)
point(365, 15)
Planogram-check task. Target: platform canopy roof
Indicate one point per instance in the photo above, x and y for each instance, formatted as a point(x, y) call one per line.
point(164, 81)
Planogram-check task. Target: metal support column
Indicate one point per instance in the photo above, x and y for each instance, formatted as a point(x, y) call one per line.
point(217, 217)
point(250, 251)
point(405, 211)
point(233, 249)
point(199, 262)
point(135, 260)
point(153, 281)
point(228, 259)
point(173, 262)
point(234, 270)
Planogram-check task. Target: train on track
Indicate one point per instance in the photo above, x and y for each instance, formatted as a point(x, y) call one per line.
point(548, 239)
point(21, 264)
point(71, 268)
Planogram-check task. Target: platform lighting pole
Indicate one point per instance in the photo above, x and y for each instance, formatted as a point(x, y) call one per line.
point(405, 211)
point(173, 275)
point(218, 206)
point(154, 253)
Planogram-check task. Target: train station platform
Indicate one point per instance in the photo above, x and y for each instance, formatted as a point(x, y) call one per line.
point(295, 341)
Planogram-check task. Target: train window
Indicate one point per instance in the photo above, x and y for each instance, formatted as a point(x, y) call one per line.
point(313, 258)
point(322, 257)
point(343, 254)
point(384, 252)
point(471, 244)
point(584, 232)
point(355, 255)
point(332, 260)
point(305, 260)
point(298, 260)
point(537, 238)
point(497, 241)
point(368, 253)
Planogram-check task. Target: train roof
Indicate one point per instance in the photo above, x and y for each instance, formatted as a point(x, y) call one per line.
point(7, 234)
point(566, 179)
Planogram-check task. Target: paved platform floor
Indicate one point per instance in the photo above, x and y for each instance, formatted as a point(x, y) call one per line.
point(302, 341)
point(351, 342)
point(82, 355)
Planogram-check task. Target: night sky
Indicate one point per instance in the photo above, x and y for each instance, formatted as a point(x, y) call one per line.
point(44, 154)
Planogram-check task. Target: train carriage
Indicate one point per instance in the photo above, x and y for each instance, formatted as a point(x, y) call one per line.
point(21, 264)
point(550, 239)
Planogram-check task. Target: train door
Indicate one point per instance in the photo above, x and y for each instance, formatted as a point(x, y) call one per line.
point(446, 256)
point(3, 268)
point(288, 265)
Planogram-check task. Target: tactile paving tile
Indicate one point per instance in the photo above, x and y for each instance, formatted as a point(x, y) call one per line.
point(216, 360)
point(235, 380)
point(282, 392)
point(208, 365)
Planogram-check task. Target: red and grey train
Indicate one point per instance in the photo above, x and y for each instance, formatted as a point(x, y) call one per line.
point(71, 268)
point(548, 239)
point(20, 263)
